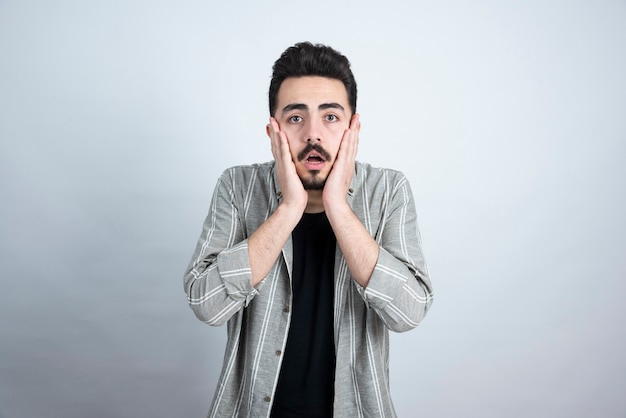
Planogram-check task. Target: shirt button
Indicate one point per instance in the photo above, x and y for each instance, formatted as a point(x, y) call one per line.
point(267, 399)
point(286, 309)
point(278, 352)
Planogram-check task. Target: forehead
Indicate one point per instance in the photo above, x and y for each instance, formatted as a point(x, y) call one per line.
point(312, 90)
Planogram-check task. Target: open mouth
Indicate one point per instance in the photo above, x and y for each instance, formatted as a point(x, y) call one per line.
point(314, 159)
point(314, 154)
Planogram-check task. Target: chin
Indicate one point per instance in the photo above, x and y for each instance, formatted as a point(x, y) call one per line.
point(314, 182)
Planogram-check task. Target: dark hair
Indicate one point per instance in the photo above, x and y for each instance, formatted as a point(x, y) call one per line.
point(307, 59)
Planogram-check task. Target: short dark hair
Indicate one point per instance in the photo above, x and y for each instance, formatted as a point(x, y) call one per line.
point(307, 59)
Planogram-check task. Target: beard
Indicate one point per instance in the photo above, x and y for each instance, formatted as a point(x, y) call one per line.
point(315, 182)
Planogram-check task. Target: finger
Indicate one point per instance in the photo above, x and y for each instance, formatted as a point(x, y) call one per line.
point(272, 128)
point(280, 145)
point(274, 125)
point(350, 140)
point(273, 131)
point(355, 122)
point(355, 126)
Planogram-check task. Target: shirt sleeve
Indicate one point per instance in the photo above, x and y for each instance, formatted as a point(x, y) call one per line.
point(399, 289)
point(218, 280)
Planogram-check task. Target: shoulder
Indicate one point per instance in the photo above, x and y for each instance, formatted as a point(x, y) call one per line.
point(376, 191)
point(243, 172)
point(370, 175)
point(244, 182)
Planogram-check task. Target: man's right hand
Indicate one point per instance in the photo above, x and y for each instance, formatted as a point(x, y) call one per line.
point(294, 194)
point(266, 243)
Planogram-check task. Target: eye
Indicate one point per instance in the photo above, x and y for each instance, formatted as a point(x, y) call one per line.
point(331, 118)
point(295, 119)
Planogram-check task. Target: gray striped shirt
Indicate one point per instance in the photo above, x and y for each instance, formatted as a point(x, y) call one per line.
point(219, 288)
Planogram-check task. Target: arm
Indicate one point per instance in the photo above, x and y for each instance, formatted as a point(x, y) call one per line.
point(390, 271)
point(227, 268)
point(218, 279)
point(357, 245)
point(268, 240)
point(399, 289)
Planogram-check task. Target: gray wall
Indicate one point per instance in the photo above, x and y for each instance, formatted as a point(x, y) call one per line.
point(117, 117)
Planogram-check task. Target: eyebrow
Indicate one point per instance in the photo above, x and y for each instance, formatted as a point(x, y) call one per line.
point(302, 106)
point(325, 106)
point(295, 106)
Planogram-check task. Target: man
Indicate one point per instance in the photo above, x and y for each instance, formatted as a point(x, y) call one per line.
point(310, 259)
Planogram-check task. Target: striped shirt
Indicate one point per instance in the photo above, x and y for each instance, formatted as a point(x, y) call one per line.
point(218, 284)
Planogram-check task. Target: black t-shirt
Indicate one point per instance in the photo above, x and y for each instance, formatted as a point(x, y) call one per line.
point(306, 382)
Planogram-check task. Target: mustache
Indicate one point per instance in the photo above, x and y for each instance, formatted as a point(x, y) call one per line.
point(314, 147)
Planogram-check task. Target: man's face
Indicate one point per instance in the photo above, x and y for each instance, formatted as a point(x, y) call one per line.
point(314, 113)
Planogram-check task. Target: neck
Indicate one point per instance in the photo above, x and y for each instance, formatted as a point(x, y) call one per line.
point(314, 204)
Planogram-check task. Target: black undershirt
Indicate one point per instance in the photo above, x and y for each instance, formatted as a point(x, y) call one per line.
point(306, 382)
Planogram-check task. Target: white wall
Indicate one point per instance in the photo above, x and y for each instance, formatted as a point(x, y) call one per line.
point(117, 117)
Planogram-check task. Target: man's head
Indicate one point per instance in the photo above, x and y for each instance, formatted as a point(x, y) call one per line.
point(307, 59)
point(313, 102)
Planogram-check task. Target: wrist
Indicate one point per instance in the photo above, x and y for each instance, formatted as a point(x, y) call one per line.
point(289, 213)
point(337, 209)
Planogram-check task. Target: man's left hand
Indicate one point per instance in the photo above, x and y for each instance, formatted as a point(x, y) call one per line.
point(339, 178)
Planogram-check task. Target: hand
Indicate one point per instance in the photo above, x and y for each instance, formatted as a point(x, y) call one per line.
point(294, 194)
point(339, 178)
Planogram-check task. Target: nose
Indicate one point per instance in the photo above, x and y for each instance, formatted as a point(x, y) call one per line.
point(313, 131)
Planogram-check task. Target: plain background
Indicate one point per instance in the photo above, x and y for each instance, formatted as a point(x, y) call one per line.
point(508, 117)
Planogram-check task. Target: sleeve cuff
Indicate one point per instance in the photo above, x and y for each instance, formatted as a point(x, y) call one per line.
point(234, 269)
point(387, 281)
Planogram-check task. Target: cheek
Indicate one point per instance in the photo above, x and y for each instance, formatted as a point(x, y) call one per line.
point(292, 133)
point(295, 146)
point(334, 152)
point(334, 138)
